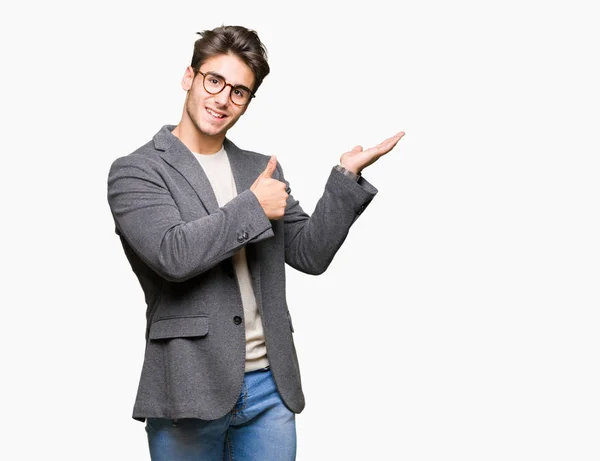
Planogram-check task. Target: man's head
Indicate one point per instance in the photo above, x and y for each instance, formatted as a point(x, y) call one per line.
point(235, 40)
point(228, 66)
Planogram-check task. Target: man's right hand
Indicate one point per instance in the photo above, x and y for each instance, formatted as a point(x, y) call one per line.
point(270, 193)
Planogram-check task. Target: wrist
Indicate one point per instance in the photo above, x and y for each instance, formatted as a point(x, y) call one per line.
point(351, 169)
point(351, 173)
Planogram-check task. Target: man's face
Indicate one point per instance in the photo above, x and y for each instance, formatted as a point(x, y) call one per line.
point(214, 114)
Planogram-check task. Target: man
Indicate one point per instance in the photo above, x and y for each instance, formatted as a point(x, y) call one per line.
point(208, 228)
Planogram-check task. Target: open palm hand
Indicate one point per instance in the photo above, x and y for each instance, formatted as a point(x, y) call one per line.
point(357, 159)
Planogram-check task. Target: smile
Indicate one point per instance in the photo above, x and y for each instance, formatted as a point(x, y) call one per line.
point(215, 114)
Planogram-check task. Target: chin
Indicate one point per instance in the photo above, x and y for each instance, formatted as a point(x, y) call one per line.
point(208, 130)
point(214, 131)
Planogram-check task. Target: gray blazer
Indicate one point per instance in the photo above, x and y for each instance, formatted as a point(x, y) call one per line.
point(180, 243)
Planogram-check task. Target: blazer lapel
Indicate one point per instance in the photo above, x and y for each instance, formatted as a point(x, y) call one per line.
point(245, 171)
point(176, 154)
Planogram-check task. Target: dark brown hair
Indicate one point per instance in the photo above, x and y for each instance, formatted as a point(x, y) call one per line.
point(237, 40)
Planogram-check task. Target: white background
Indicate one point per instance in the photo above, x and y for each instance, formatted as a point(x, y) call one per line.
point(460, 318)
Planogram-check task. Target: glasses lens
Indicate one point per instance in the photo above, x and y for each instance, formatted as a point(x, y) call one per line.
point(240, 96)
point(213, 84)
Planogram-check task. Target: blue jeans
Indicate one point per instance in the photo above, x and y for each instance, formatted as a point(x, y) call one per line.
point(259, 428)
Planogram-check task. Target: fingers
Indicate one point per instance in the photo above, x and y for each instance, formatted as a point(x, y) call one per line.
point(386, 146)
point(391, 142)
point(394, 139)
point(270, 167)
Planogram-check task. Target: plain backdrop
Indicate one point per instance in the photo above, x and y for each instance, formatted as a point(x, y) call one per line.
point(460, 319)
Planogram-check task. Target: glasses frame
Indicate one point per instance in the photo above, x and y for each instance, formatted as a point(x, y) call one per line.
point(233, 87)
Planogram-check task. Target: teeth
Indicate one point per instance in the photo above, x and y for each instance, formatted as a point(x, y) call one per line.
point(214, 114)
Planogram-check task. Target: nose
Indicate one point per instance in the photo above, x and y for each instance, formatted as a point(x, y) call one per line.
point(222, 98)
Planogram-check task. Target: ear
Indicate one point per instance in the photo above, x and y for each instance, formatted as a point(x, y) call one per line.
point(188, 78)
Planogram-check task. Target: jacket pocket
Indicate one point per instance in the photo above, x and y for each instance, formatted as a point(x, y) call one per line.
point(189, 326)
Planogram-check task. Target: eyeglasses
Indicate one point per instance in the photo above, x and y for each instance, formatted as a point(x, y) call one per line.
point(214, 84)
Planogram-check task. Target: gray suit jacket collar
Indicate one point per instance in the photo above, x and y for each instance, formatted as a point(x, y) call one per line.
point(245, 170)
point(176, 154)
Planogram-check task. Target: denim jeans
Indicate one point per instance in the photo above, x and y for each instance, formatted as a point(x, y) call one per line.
point(259, 428)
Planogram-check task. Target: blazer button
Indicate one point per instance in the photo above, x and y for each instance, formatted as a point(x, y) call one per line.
point(245, 235)
point(237, 320)
point(240, 239)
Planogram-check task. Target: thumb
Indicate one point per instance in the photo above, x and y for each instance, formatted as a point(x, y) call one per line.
point(270, 167)
point(357, 149)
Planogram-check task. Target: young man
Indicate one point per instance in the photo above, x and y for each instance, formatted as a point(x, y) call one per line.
point(208, 228)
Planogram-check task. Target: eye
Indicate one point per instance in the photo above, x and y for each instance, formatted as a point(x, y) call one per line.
point(213, 81)
point(242, 93)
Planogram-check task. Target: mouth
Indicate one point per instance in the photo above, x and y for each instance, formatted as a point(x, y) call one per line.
point(215, 114)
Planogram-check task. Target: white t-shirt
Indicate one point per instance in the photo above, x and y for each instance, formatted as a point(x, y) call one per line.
point(218, 171)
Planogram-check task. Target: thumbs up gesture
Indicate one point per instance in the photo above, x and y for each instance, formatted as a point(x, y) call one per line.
point(270, 193)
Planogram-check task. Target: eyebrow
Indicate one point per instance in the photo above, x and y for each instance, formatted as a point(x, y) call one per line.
point(243, 87)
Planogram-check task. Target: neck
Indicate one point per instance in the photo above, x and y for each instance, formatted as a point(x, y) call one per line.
point(195, 140)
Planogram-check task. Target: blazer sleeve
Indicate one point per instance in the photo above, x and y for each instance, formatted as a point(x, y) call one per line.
point(311, 242)
point(148, 218)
